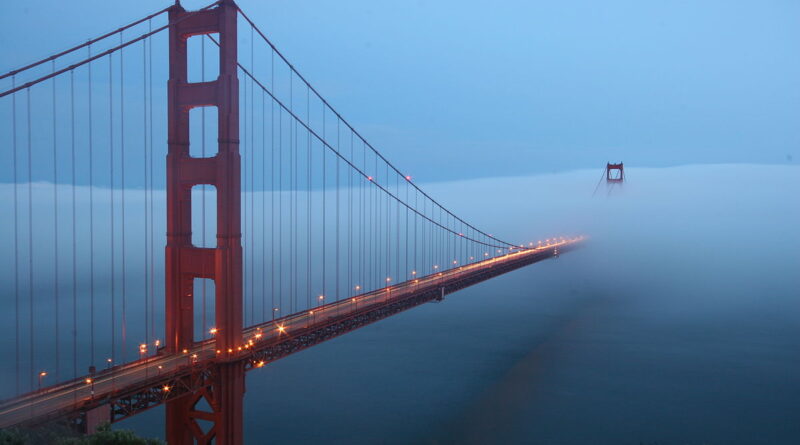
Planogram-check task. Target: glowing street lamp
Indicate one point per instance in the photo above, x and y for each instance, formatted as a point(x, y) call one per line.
point(90, 381)
point(142, 350)
point(42, 375)
point(213, 331)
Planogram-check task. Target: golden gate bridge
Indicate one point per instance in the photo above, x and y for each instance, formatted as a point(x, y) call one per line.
point(303, 232)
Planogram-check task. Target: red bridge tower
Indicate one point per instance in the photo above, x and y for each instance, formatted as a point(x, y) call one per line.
point(223, 386)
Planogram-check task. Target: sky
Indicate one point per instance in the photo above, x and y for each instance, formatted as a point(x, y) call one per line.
point(519, 87)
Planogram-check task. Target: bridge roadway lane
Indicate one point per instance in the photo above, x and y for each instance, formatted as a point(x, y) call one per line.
point(106, 384)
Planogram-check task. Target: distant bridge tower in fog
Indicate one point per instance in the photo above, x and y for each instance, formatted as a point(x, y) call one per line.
point(615, 173)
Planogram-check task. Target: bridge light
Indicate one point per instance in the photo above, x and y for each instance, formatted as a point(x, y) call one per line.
point(157, 343)
point(485, 253)
point(230, 350)
point(388, 279)
point(370, 178)
point(88, 381)
point(354, 300)
point(258, 334)
point(310, 312)
point(274, 309)
point(42, 375)
point(358, 287)
point(185, 351)
point(435, 266)
point(321, 297)
point(213, 331)
point(260, 364)
point(455, 261)
point(413, 272)
point(281, 329)
point(166, 388)
point(408, 178)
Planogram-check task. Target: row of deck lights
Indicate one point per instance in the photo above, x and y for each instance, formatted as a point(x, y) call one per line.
point(143, 348)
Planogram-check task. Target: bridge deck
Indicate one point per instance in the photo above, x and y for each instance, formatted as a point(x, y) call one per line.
point(139, 385)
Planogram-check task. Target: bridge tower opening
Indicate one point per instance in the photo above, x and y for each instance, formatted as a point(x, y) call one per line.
point(220, 400)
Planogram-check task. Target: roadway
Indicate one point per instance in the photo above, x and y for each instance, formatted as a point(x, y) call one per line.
point(104, 385)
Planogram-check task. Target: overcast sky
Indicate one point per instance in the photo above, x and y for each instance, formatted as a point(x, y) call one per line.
point(518, 87)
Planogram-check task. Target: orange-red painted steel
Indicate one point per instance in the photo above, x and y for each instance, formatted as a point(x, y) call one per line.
point(224, 389)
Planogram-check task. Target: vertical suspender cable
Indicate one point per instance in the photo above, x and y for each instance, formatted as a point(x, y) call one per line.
point(388, 224)
point(291, 195)
point(324, 203)
point(252, 185)
point(16, 236)
point(308, 204)
point(55, 236)
point(397, 227)
point(74, 231)
point(91, 214)
point(406, 238)
point(272, 188)
point(280, 211)
point(350, 221)
point(147, 276)
point(122, 191)
point(338, 257)
point(30, 238)
point(152, 218)
point(362, 243)
point(263, 207)
point(111, 190)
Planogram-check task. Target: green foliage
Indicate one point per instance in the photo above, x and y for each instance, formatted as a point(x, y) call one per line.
point(56, 436)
